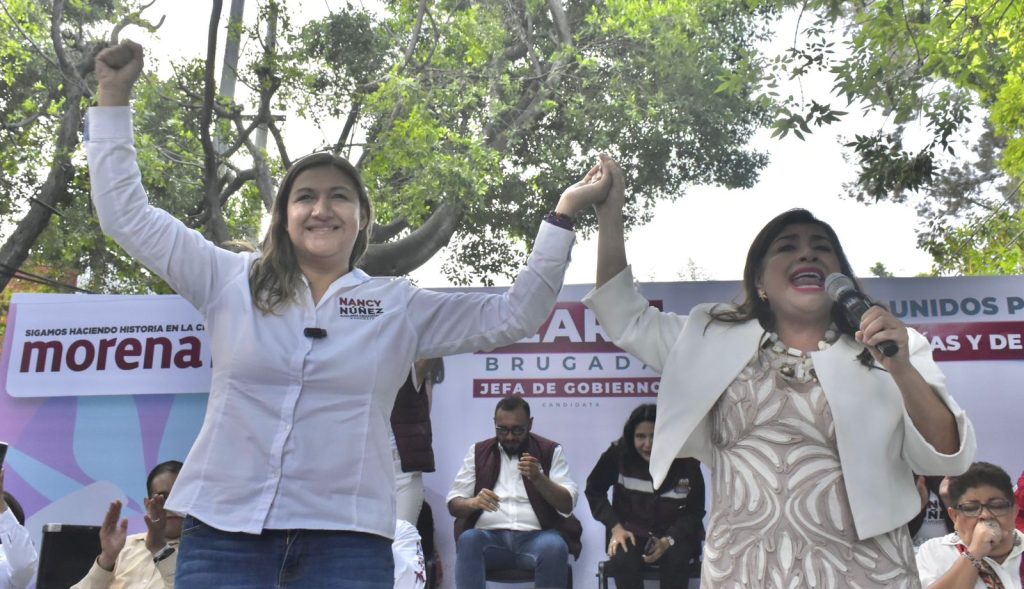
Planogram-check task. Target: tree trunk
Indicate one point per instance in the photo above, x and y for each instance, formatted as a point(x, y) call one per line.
point(53, 193)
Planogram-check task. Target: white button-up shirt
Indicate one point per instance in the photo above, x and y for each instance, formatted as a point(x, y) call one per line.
point(937, 556)
point(296, 429)
point(18, 557)
point(514, 510)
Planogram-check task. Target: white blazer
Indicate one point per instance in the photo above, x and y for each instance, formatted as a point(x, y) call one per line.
point(879, 447)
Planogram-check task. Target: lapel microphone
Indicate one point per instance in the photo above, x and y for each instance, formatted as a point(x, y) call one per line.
point(315, 332)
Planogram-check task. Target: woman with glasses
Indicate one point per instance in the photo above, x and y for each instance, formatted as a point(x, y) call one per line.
point(985, 550)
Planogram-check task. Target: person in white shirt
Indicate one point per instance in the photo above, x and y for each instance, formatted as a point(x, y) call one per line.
point(513, 500)
point(18, 557)
point(410, 564)
point(985, 550)
point(291, 477)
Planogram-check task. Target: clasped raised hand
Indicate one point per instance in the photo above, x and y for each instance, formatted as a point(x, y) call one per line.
point(117, 70)
point(590, 190)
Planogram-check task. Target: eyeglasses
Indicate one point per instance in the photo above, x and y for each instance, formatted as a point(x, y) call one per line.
point(515, 431)
point(997, 508)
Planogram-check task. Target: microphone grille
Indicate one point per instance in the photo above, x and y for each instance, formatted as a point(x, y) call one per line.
point(837, 285)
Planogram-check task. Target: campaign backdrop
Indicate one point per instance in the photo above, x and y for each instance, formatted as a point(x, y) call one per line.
point(99, 389)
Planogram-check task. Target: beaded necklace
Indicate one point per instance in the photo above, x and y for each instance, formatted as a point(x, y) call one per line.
point(794, 363)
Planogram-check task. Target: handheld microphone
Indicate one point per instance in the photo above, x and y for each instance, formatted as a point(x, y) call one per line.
point(315, 332)
point(842, 290)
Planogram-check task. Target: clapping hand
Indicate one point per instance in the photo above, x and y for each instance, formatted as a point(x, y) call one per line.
point(156, 523)
point(113, 533)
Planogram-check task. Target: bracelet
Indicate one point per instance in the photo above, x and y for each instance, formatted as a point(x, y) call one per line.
point(559, 220)
point(974, 561)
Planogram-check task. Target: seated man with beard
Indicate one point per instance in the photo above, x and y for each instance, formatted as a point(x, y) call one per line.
point(513, 501)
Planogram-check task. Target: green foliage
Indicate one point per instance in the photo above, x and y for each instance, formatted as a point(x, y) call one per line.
point(492, 107)
point(491, 111)
point(880, 271)
point(929, 65)
point(983, 246)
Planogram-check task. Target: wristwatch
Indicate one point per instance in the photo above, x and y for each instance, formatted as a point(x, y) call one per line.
point(163, 554)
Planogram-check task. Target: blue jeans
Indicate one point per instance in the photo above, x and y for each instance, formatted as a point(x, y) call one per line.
point(282, 559)
point(543, 552)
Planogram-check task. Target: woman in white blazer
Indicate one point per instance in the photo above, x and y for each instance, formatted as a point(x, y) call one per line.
point(811, 434)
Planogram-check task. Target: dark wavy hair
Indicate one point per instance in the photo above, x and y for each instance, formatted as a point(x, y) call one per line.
point(171, 466)
point(980, 474)
point(16, 509)
point(753, 307)
point(275, 277)
point(645, 412)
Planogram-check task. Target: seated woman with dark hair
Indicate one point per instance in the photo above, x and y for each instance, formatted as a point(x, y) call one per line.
point(985, 550)
point(662, 526)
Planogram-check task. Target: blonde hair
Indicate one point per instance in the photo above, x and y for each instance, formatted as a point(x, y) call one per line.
point(275, 278)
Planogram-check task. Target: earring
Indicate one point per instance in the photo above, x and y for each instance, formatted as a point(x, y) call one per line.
point(761, 293)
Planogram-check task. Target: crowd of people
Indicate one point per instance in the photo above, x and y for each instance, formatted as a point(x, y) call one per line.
point(814, 420)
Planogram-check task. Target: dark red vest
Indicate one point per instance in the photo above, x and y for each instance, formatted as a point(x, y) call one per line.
point(487, 461)
point(410, 422)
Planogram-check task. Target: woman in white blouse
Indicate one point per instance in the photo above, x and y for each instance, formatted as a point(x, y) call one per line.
point(290, 480)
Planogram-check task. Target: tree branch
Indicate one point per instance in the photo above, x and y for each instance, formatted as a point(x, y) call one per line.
point(279, 140)
point(561, 23)
point(384, 233)
point(55, 188)
point(26, 122)
point(350, 122)
point(216, 227)
point(58, 44)
point(401, 257)
point(414, 37)
point(236, 183)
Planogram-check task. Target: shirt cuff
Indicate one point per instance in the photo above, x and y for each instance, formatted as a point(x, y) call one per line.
point(554, 241)
point(99, 574)
point(108, 122)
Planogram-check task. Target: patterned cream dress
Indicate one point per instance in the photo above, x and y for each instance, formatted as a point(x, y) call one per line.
point(780, 516)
